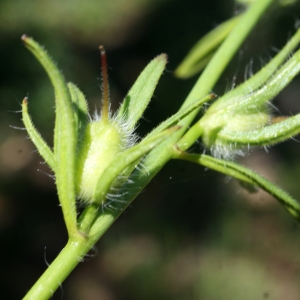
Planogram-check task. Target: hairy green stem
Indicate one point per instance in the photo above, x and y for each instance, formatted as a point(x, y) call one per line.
point(72, 254)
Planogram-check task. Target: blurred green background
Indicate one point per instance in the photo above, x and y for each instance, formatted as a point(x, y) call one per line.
point(192, 234)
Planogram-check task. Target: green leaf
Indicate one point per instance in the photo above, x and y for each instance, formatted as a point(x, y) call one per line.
point(203, 51)
point(244, 174)
point(43, 149)
point(65, 136)
point(141, 92)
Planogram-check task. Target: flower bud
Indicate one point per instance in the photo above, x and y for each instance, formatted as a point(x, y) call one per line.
point(221, 121)
point(102, 142)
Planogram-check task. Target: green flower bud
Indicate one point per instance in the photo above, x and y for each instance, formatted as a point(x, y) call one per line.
point(103, 139)
point(241, 119)
point(239, 116)
point(102, 142)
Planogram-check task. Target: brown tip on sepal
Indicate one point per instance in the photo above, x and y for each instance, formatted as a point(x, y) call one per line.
point(24, 37)
point(213, 95)
point(25, 100)
point(278, 119)
point(175, 128)
point(163, 56)
point(177, 149)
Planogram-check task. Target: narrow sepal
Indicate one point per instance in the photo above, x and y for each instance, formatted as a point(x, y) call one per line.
point(43, 149)
point(265, 136)
point(142, 91)
point(81, 110)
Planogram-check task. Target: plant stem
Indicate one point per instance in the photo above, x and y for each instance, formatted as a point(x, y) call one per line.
point(72, 254)
point(227, 50)
point(59, 269)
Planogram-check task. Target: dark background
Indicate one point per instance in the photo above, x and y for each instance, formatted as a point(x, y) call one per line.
point(193, 233)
